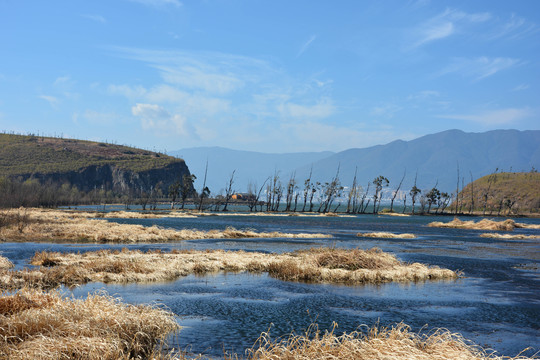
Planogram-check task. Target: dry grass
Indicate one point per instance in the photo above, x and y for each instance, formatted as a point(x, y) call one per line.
point(387, 235)
point(484, 224)
point(396, 343)
point(314, 265)
point(509, 236)
point(5, 263)
point(56, 225)
point(41, 325)
point(394, 214)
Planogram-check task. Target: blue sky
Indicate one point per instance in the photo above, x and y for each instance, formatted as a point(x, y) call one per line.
point(271, 76)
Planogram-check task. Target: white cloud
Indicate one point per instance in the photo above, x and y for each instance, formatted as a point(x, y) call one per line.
point(479, 68)
point(52, 100)
point(494, 117)
point(96, 18)
point(150, 111)
point(206, 79)
point(322, 109)
point(306, 45)
point(444, 25)
point(212, 72)
point(156, 118)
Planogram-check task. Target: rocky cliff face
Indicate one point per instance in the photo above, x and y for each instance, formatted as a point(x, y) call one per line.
point(112, 177)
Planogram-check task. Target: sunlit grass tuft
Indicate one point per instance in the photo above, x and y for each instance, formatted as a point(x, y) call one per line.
point(41, 325)
point(509, 236)
point(375, 343)
point(484, 224)
point(386, 235)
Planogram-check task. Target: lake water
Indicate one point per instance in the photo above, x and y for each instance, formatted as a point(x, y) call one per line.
point(496, 304)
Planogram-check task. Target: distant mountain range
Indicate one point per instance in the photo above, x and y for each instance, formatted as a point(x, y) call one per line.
point(434, 158)
point(249, 166)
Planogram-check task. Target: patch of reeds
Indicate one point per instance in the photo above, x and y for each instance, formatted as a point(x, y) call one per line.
point(484, 224)
point(509, 236)
point(5, 263)
point(387, 235)
point(328, 265)
point(376, 343)
point(45, 325)
point(55, 225)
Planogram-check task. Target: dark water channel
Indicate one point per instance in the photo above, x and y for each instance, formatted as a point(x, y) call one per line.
point(496, 304)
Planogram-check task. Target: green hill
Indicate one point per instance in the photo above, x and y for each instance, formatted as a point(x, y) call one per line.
point(503, 193)
point(21, 154)
point(86, 164)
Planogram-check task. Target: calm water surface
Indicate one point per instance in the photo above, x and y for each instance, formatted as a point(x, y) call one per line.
point(496, 304)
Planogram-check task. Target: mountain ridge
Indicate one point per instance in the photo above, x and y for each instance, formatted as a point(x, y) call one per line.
point(434, 158)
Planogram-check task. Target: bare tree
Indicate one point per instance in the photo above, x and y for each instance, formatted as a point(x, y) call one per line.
point(229, 191)
point(205, 192)
point(414, 192)
point(307, 188)
point(173, 192)
point(314, 189)
point(471, 208)
point(186, 188)
point(457, 190)
point(352, 194)
point(379, 183)
point(363, 206)
point(397, 191)
point(291, 188)
point(331, 190)
point(485, 195)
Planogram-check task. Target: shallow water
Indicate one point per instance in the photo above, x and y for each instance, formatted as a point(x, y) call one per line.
point(496, 304)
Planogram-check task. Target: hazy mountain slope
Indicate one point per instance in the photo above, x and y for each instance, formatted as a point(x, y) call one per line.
point(249, 165)
point(435, 157)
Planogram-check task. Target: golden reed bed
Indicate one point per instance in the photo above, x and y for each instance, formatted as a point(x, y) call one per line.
point(314, 265)
point(484, 224)
point(45, 325)
point(509, 236)
point(69, 226)
point(386, 235)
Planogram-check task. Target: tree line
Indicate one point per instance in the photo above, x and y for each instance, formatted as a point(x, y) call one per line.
point(274, 195)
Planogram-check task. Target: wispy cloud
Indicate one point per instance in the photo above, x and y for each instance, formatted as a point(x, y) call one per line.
point(156, 118)
point(479, 68)
point(514, 28)
point(306, 45)
point(158, 3)
point(424, 95)
point(322, 109)
point(444, 25)
point(385, 110)
point(521, 87)
point(494, 117)
point(221, 96)
point(212, 72)
point(52, 100)
point(94, 17)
